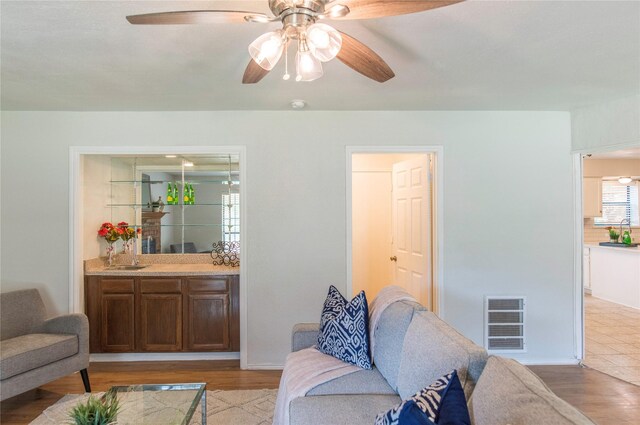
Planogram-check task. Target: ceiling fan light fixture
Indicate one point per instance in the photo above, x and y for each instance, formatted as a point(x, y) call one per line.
point(308, 67)
point(267, 49)
point(324, 41)
point(625, 180)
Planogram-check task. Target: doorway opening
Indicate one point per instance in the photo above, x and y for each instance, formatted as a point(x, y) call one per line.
point(610, 260)
point(393, 216)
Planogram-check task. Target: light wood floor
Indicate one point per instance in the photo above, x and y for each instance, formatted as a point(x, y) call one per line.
point(612, 339)
point(605, 399)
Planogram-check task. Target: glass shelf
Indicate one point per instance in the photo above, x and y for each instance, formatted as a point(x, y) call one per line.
point(178, 225)
point(165, 205)
point(178, 182)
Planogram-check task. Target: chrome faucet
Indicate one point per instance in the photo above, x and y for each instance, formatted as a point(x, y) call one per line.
point(626, 236)
point(628, 223)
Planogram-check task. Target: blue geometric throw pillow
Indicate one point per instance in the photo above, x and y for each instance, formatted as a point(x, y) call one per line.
point(441, 403)
point(344, 328)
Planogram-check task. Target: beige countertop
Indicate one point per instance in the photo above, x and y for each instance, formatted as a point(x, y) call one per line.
point(166, 269)
point(631, 250)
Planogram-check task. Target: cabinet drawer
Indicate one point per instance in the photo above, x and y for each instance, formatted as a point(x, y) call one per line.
point(116, 286)
point(209, 285)
point(157, 286)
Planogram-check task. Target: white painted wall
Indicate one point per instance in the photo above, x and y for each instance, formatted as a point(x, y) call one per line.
point(371, 232)
point(97, 192)
point(296, 207)
point(607, 125)
point(610, 167)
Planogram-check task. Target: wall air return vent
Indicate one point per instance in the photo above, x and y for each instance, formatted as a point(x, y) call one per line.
point(504, 324)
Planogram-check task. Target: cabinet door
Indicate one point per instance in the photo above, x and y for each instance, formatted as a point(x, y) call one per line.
point(207, 321)
point(117, 324)
point(592, 197)
point(160, 322)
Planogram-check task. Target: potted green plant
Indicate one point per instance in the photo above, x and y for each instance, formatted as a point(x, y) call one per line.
point(96, 411)
point(613, 234)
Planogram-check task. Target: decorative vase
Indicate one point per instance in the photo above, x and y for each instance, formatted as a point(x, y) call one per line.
point(111, 251)
point(126, 247)
point(612, 240)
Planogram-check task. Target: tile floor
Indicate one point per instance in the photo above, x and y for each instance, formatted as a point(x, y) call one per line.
point(612, 339)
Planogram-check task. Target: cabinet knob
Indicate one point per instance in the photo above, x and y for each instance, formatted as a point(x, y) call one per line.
point(394, 258)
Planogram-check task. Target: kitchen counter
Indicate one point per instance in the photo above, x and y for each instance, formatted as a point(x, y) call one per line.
point(615, 274)
point(635, 250)
point(165, 270)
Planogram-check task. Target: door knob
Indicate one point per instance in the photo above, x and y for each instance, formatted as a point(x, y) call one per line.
point(394, 258)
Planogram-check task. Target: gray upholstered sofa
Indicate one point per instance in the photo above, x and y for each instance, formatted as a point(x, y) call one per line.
point(33, 350)
point(413, 348)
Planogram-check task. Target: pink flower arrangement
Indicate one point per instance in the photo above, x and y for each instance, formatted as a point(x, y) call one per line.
point(109, 232)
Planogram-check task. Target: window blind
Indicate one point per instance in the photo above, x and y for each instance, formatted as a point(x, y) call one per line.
point(231, 217)
point(619, 202)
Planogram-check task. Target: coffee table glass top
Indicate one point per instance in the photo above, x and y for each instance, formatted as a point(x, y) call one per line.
point(160, 404)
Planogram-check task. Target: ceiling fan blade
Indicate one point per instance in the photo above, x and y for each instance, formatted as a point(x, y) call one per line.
point(368, 9)
point(254, 73)
point(362, 59)
point(195, 17)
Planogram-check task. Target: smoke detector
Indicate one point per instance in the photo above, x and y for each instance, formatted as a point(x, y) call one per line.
point(298, 104)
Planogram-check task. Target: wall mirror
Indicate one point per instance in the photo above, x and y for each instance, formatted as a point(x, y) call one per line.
point(181, 203)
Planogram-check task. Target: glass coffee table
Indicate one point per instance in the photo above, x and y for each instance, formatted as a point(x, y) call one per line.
point(160, 404)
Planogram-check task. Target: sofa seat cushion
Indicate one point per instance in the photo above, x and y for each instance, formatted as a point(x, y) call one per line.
point(361, 382)
point(340, 409)
point(26, 352)
point(432, 348)
point(509, 393)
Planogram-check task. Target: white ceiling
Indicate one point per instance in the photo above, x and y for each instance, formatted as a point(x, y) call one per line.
point(475, 55)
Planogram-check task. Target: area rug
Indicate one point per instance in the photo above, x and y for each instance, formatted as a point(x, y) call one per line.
point(239, 407)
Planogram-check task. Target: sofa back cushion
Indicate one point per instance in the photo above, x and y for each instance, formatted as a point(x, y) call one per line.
point(509, 393)
point(389, 335)
point(432, 348)
point(20, 313)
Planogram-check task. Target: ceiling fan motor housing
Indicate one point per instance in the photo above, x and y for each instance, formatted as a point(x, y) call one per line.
point(297, 11)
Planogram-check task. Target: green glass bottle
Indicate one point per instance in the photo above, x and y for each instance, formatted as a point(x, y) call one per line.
point(192, 194)
point(176, 195)
point(185, 194)
point(170, 197)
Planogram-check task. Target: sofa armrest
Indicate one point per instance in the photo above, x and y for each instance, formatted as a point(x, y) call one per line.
point(73, 324)
point(304, 335)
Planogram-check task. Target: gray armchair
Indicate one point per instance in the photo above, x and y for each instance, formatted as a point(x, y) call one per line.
point(33, 350)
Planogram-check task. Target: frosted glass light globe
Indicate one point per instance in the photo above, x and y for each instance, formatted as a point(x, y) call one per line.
point(324, 41)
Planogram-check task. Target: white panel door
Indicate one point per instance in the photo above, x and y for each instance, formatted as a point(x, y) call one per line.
point(411, 223)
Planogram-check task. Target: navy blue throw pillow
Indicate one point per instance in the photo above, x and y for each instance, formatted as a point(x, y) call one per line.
point(344, 328)
point(453, 407)
point(441, 403)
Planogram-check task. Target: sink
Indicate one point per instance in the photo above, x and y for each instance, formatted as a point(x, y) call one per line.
point(618, 244)
point(129, 267)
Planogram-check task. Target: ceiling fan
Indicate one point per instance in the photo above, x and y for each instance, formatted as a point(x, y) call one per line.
point(316, 42)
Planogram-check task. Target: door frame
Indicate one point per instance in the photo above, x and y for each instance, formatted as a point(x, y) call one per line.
point(76, 236)
point(578, 243)
point(438, 213)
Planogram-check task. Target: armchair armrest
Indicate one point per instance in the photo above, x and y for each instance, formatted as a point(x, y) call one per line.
point(77, 324)
point(304, 335)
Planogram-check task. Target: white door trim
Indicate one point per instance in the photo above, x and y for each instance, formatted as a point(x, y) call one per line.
point(76, 275)
point(578, 258)
point(438, 212)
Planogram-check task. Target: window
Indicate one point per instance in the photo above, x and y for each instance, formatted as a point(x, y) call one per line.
point(619, 202)
point(231, 217)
